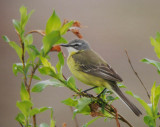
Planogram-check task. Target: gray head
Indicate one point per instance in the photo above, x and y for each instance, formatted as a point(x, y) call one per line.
point(76, 45)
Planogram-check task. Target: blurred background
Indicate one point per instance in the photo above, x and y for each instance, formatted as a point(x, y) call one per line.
point(112, 27)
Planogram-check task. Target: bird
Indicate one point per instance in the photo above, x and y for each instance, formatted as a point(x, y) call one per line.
point(91, 69)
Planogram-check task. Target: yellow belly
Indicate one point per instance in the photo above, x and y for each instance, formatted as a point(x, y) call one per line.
point(84, 77)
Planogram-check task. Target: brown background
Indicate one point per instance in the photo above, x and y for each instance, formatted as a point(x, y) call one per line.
point(113, 25)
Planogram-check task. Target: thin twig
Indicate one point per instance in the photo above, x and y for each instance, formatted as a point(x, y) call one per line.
point(124, 120)
point(34, 120)
point(115, 110)
point(75, 119)
point(23, 60)
point(32, 73)
point(137, 74)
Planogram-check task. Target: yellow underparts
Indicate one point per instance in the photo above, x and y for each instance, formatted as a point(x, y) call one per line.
point(84, 77)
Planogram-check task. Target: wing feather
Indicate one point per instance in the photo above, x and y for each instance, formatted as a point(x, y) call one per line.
point(95, 66)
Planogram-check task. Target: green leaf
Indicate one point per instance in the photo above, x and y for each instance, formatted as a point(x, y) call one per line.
point(28, 39)
point(142, 102)
point(34, 49)
point(46, 63)
point(49, 40)
point(24, 16)
point(156, 44)
point(70, 102)
point(120, 85)
point(98, 90)
point(149, 121)
point(16, 48)
point(71, 84)
point(52, 122)
point(18, 67)
point(60, 63)
point(157, 96)
point(24, 93)
point(154, 63)
point(37, 111)
point(82, 103)
point(65, 27)
point(5, 38)
point(47, 71)
point(43, 125)
point(24, 107)
point(16, 25)
point(110, 98)
point(53, 23)
point(82, 106)
point(40, 86)
point(20, 118)
point(61, 40)
point(35, 77)
point(91, 121)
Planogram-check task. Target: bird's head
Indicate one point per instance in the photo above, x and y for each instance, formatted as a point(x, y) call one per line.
point(76, 45)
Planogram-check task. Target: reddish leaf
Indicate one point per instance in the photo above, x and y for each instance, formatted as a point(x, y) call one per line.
point(56, 48)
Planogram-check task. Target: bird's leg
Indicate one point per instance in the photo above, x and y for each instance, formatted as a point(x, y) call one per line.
point(89, 89)
point(101, 92)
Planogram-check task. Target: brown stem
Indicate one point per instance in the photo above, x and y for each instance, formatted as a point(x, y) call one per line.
point(124, 120)
point(32, 73)
point(137, 74)
point(23, 60)
point(34, 120)
point(116, 114)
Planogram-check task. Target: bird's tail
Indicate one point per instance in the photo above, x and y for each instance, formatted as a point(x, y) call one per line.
point(116, 90)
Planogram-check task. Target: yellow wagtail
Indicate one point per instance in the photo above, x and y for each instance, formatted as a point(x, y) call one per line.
point(88, 67)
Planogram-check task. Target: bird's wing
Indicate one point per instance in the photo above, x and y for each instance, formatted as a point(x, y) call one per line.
point(89, 62)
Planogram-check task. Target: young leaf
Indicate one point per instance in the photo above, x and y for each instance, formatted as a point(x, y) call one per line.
point(49, 40)
point(14, 46)
point(53, 23)
point(82, 106)
point(24, 107)
point(18, 67)
point(16, 25)
point(20, 118)
point(5, 38)
point(82, 103)
point(24, 94)
point(70, 102)
point(43, 125)
point(52, 122)
point(154, 63)
point(156, 44)
point(149, 121)
point(35, 77)
point(142, 102)
point(60, 63)
point(47, 71)
point(65, 27)
point(91, 121)
point(34, 49)
point(40, 110)
point(61, 40)
point(46, 63)
point(71, 84)
point(28, 39)
point(40, 86)
point(24, 16)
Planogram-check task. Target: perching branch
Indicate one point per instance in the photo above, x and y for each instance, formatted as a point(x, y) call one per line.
point(137, 74)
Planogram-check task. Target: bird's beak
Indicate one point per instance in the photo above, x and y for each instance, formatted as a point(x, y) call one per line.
point(65, 45)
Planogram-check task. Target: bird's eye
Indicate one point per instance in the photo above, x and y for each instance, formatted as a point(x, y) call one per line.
point(76, 45)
